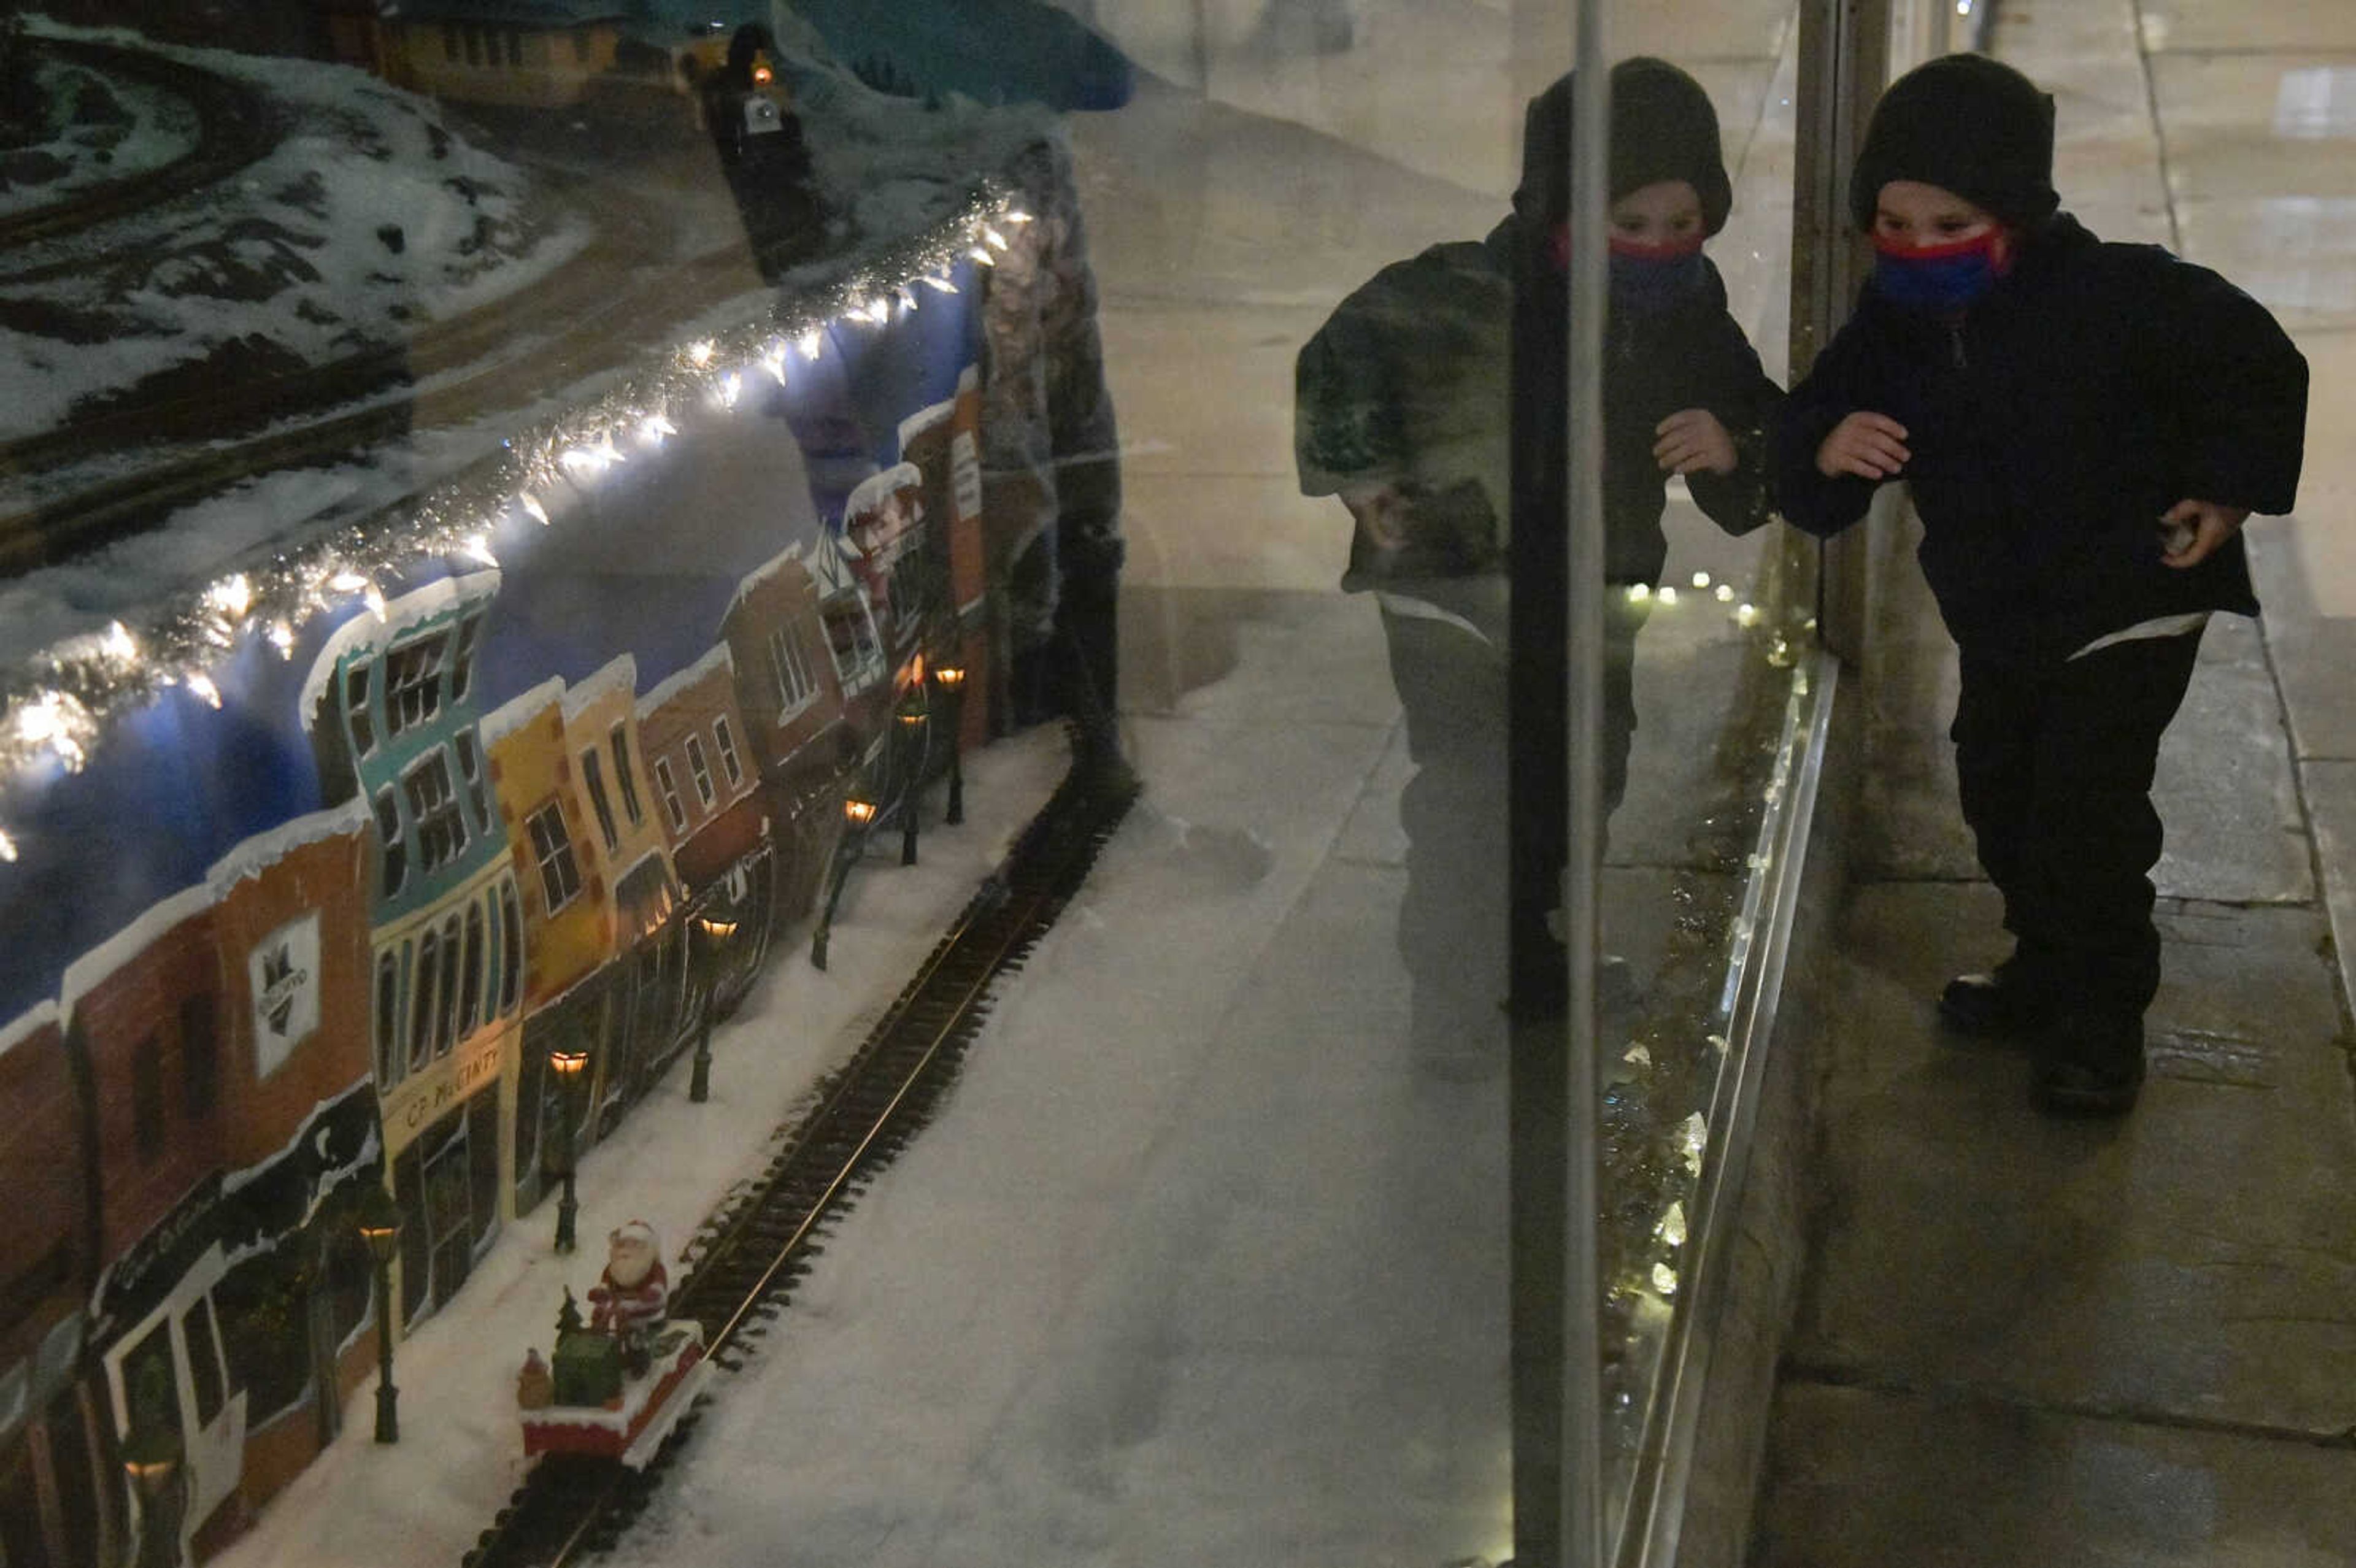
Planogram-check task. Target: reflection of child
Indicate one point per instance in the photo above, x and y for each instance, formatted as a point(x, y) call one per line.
point(2083, 428)
point(1404, 412)
point(632, 1297)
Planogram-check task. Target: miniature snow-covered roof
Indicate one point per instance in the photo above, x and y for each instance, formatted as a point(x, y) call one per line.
point(371, 630)
point(620, 672)
point(85, 973)
point(924, 419)
point(519, 710)
point(27, 1024)
point(777, 564)
point(264, 850)
point(878, 488)
point(721, 656)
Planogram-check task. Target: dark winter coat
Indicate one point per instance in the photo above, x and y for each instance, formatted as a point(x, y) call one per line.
point(2086, 393)
point(1407, 383)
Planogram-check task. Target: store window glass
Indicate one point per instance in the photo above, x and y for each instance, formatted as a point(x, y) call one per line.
point(925, 421)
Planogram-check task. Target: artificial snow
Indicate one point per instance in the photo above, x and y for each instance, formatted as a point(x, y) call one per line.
point(669, 1162)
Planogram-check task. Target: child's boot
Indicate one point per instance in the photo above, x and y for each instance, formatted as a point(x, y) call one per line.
point(2010, 1002)
point(2091, 1065)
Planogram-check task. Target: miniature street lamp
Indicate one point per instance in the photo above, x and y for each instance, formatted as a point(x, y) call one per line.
point(378, 1223)
point(566, 1059)
point(952, 681)
point(911, 717)
point(858, 816)
point(152, 1458)
point(707, 941)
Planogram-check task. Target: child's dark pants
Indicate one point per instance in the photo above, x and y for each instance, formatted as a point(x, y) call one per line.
point(2055, 767)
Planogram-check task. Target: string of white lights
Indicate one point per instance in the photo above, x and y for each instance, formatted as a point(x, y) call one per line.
point(56, 709)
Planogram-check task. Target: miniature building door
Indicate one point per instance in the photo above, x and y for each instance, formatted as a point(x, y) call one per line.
point(170, 1368)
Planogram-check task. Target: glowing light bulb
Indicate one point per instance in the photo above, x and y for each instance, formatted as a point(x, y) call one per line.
point(7, 848)
point(230, 598)
point(348, 582)
point(1723, 593)
point(1665, 1279)
point(1666, 594)
point(281, 638)
point(992, 237)
point(480, 548)
point(701, 354)
point(374, 596)
point(119, 644)
point(811, 343)
point(1672, 1227)
point(1701, 580)
point(943, 285)
point(532, 508)
point(1638, 592)
point(201, 686)
point(1746, 616)
point(982, 256)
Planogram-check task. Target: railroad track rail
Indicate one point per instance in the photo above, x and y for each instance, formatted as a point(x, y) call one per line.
point(234, 129)
point(756, 1249)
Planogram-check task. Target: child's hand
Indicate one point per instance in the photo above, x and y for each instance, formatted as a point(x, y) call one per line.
point(2212, 526)
point(1870, 445)
point(1691, 440)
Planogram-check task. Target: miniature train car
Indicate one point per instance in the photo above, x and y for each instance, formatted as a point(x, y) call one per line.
point(599, 1408)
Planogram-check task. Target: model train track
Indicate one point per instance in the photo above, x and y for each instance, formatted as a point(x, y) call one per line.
point(867, 1111)
point(234, 130)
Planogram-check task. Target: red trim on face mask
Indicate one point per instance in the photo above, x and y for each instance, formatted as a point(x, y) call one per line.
point(1666, 251)
point(1991, 241)
point(1558, 248)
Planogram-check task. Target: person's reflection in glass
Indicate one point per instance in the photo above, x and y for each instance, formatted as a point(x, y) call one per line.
point(1406, 411)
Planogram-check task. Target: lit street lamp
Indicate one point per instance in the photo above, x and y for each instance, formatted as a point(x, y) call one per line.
point(379, 1224)
point(952, 681)
point(858, 818)
point(152, 1457)
point(912, 718)
point(567, 1060)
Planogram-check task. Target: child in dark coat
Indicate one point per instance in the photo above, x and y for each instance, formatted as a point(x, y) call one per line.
point(2082, 427)
point(1407, 412)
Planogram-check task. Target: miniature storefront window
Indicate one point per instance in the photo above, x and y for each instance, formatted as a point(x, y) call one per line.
point(560, 873)
point(669, 788)
point(850, 636)
point(440, 829)
point(795, 686)
point(421, 1002)
point(389, 839)
point(204, 1360)
point(623, 779)
point(699, 768)
point(470, 999)
point(356, 709)
point(730, 763)
point(510, 947)
point(412, 681)
point(446, 1026)
point(461, 667)
point(388, 1018)
point(470, 766)
point(199, 1056)
point(592, 774)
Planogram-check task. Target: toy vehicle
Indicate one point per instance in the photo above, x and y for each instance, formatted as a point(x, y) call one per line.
point(599, 1408)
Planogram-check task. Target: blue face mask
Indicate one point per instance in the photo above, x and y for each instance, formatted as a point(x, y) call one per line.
point(1940, 277)
point(1648, 279)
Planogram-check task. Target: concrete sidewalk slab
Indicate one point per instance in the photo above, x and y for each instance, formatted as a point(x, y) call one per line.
point(2021, 1487)
point(2192, 1262)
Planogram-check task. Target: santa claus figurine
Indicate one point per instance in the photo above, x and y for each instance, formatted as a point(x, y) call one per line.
point(632, 1297)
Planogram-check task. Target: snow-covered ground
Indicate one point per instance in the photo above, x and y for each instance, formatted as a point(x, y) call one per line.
point(367, 221)
point(671, 1163)
point(106, 128)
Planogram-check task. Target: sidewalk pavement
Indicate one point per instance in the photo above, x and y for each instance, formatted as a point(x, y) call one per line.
point(2024, 1342)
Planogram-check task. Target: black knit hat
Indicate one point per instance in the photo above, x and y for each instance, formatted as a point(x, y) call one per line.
point(1663, 128)
point(1964, 123)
